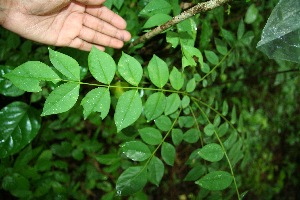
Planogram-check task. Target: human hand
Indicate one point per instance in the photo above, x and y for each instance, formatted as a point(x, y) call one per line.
point(79, 24)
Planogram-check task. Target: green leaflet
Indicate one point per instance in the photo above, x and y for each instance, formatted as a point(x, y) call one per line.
point(168, 153)
point(216, 180)
point(221, 46)
point(136, 150)
point(176, 79)
point(155, 105)
point(211, 57)
point(191, 135)
point(195, 173)
point(96, 100)
point(130, 69)
point(156, 170)
point(154, 7)
point(102, 66)
point(251, 14)
point(61, 99)
point(20, 123)
point(209, 129)
point(211, 152)
point(173, 103)
point(158, 71)
point(151, 135)
point(7, 88)
point(128, 109)
point(163, 123)
point(157, 20)
point(191, 85)
point(28, 76)
point(177, 136)
point(131, 180)
point(65, 65)
point(189, 52)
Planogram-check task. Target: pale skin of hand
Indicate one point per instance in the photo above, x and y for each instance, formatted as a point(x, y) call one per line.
point(78, 24)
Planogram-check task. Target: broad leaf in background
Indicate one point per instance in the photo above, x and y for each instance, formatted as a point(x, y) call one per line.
point(130, 69)
point(20, 123)
point(65, 65)
point(136, 150)
point(131, 180)
point(216, 180)
point(61, 99)
point(155, 105)
point(158, 71)
point(27, 76)
point(128, 109)
point(155, 7)
point(168, 153)
point(96, 100)
point(7, 88)
point(211, 152)
point(156, 170)
point(102, 66)
point(157, 20)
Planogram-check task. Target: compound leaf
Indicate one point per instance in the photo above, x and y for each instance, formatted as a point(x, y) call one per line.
point(28, 76)
point(130, 69)
point(61, 99)
point(217, 180)
point(155, 105)
point(65, 65)
point(96, 100)
point(128, 109)
point(131, 180)
point(136, 150)
point(102, 66)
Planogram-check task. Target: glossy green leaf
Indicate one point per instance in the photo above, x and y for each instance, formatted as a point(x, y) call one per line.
point(151, 135)
point(130, 69)
point(217, 180)
point(132, 180)
point(177, 136)
point(136, 150)
point(155, 105)
point(211, 152)
point(176, 79)
point(102, 66)
point(27, 76)
point(156, 170)
point(251, 14)
point(61, 99)
point(191, 85)
point(7, 88)
point(20, 123)
point(157, 20)
point(191, 135)
point(173, 103)
point(65, 65)
point(96, 100)
point(211, 57)
point(168, 153)
point(209, 129)
point(155, 7)
point(128, 109)
point(163, 123)
point(158, 71)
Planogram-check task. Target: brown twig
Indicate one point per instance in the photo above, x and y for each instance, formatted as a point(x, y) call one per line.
point(200, 7)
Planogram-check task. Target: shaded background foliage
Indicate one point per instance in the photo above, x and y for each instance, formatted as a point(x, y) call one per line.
point(80, 159)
